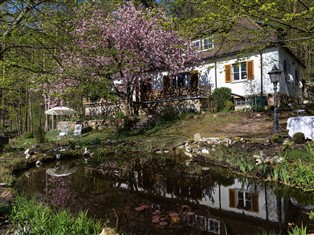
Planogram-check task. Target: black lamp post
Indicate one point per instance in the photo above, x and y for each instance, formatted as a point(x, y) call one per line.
point(274, 75)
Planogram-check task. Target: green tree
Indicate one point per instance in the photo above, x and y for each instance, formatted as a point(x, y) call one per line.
point(291, 19)
point(32, 36)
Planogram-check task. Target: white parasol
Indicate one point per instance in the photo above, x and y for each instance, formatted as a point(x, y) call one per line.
point(60, 171)
point(60, 111)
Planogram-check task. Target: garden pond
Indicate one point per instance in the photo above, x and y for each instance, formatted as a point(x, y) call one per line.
point(159, 195)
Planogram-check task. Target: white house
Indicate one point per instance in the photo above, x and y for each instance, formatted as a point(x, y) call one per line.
point(239, 60)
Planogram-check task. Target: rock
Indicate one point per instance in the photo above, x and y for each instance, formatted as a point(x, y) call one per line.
point(6, 195)
point(205, 151)
point(188, 154)
point(212, 140)
point(38, 163)
point(188, 149)
point(278, 159)
point(197, 137)
point(227, 142)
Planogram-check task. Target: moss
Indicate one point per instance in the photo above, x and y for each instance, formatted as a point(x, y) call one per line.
point(298, 138)
point(276, 138)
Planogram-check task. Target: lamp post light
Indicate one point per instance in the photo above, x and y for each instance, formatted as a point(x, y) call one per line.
point(274, 75)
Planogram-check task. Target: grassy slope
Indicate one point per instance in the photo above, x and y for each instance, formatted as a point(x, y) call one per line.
point(237, 124)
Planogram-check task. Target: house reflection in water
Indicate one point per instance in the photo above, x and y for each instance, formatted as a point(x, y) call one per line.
point(207, 201)
point(240, 207)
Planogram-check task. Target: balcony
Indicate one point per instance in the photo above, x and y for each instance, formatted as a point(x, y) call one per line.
point(174, 94)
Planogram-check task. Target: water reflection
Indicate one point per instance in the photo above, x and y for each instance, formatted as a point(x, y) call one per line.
point(163, 196)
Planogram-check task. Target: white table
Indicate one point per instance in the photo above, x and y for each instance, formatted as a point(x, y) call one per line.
point(304, 124)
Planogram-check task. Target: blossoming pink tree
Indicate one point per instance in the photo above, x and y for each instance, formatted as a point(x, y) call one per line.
point(126, 45)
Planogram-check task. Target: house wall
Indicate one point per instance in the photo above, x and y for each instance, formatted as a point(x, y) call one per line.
point(267, 201)
point(292, 74)
point(212, 73)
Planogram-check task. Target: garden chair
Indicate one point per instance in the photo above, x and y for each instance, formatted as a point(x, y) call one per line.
point(64, 131)
point(77, 130)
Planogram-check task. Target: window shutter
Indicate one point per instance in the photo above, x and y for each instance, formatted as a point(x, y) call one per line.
point(227, 73)
point(255, 204)
point(250, 69)
point(232, 198)
point(166, 82)
point(194, 79)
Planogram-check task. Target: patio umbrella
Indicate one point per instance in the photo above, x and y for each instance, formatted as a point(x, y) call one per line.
point(60, 111)
point(63, 170)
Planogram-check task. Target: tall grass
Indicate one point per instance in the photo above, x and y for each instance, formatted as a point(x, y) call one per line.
point(31, 217)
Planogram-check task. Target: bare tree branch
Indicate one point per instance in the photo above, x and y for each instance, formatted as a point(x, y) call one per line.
point(303, 4)
point(21, 16)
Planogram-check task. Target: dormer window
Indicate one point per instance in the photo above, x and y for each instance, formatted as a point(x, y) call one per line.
point(202, 44)
point(208, 43)
point(196, 45)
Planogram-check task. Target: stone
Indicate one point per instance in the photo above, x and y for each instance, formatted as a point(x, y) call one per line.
point(188, 154)
point(197, 137)
point(205, 151)
point(6, 195)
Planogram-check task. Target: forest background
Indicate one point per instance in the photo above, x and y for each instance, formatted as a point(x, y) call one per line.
point(38, 38)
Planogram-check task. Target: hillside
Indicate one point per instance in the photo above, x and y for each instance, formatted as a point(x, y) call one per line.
point(237, 124)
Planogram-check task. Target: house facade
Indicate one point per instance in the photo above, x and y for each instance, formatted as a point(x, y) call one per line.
point(241, 65)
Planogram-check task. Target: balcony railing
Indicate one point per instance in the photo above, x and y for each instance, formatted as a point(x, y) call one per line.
point(199, 92)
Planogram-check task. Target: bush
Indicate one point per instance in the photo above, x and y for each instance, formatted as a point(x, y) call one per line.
point(168, 114)
point(298, 138)
point(86, 129)
point(222, 96)
point(39, 135)
point(28, 135)
point(276, 138)
point(228, 106)
point(309, 109)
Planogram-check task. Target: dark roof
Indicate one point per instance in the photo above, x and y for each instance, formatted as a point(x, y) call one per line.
point(244, 36)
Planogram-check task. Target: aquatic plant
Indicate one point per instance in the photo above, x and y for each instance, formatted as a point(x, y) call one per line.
point(296, 230)
point(276, 170)
point(284, 174)
point(242, 165)
point(263, 232)
point(302, 174)
point(31, 217)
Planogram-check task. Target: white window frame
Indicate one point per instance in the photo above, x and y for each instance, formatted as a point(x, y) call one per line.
point(240, 72)
point(209, 45)
point(202, 45)
point(196, 45)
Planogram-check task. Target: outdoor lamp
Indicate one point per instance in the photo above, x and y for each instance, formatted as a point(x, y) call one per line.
point(274, 75)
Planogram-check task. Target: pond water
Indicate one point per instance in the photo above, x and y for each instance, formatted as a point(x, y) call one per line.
point(156, 195)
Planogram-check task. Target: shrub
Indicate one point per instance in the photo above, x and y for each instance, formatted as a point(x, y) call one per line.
point(28, 135)
point(309, 109)
point(276, 138)
point(298, 138)
point(168, 114)
point(86, 129)
point(7, 148)
point(221, 96)
point(228, 106)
